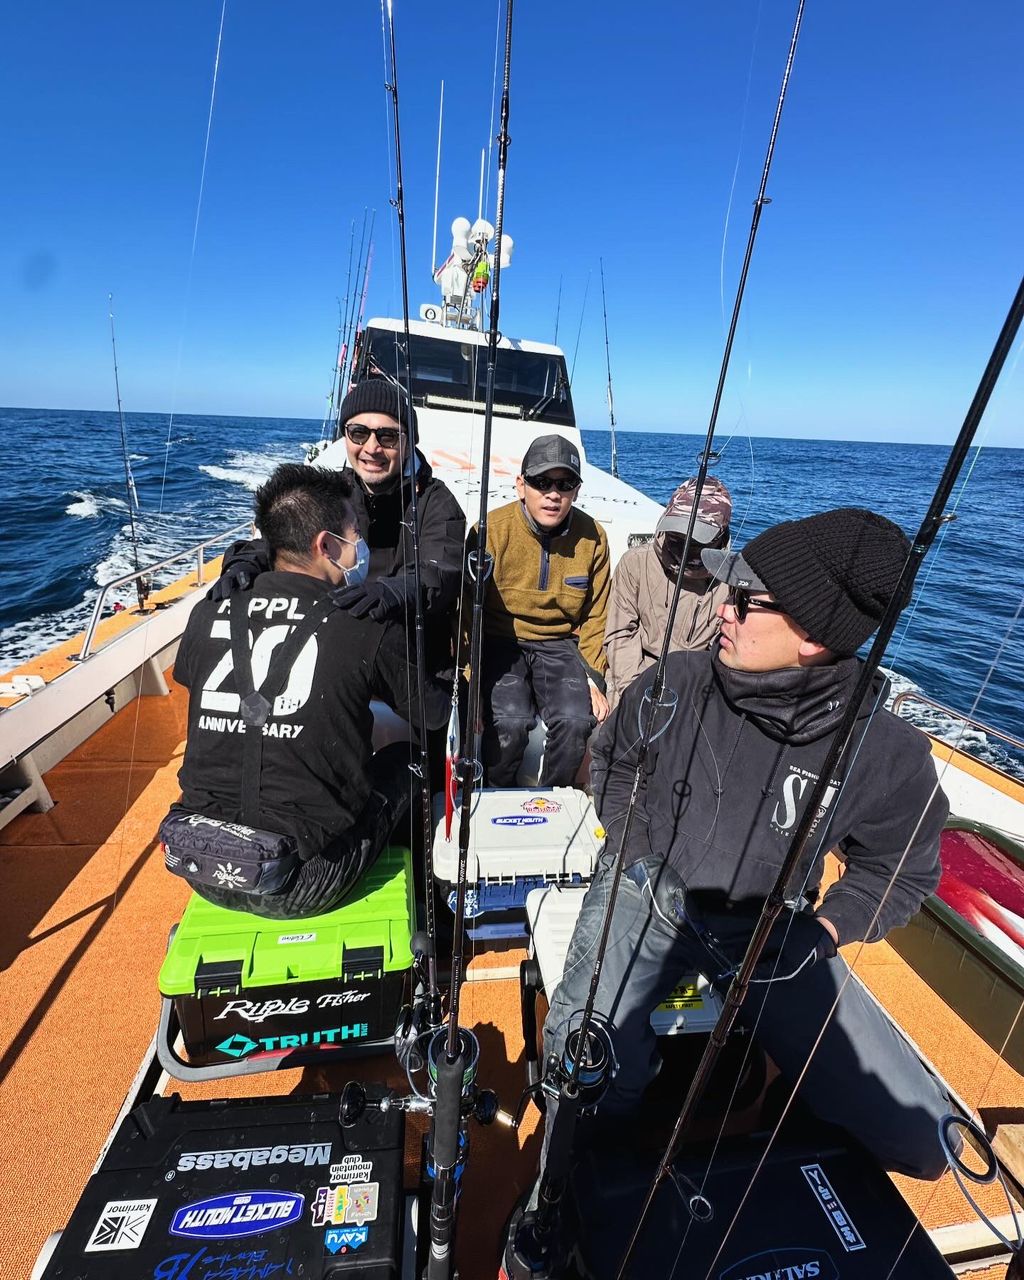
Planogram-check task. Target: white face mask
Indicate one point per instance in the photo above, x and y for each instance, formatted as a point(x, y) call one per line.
point(358, 572)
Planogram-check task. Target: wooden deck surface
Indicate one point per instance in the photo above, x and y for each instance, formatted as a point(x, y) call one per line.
point(88, 905)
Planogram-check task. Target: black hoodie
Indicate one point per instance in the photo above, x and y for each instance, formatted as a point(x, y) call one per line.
point(724, 782)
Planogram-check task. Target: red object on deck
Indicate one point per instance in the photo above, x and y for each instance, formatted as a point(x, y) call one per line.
point(985, 886)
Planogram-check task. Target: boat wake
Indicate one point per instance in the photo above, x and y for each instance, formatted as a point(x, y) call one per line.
point(250, 470)
point(951, 729)
point(208, 498)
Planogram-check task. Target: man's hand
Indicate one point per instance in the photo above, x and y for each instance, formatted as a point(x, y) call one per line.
point(383, 599)
point(241, 569)
point(797, 941)
point(598, 704)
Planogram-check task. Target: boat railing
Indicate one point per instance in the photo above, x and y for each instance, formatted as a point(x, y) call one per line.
point(971, 722)
point(198, 551)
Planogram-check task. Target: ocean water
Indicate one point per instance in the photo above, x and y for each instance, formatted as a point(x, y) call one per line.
point(66, 528)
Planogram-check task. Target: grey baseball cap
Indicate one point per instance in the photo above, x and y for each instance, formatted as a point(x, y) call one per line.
point(548, 452)
point(730, 567)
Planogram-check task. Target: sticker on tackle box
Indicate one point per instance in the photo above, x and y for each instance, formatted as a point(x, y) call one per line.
point(686, 995)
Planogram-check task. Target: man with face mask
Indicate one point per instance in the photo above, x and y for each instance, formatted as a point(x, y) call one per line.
point(300, 672)
point(381, 433)
point(645, 577)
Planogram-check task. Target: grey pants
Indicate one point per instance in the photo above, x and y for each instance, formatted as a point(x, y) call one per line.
point(520, 678)
point(863, 1076)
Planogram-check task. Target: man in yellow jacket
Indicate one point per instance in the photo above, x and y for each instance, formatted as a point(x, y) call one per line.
point(544, 616)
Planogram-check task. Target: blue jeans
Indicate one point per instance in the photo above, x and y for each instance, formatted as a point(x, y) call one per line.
point(863, 1076)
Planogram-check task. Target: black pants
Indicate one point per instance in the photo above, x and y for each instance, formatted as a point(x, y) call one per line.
point(323, 881)
point(520, 679)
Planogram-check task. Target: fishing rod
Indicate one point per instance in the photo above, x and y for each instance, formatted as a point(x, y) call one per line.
point(933, 521)
point(332, 394)
point(351, 321)
point(333, 398)
point(422, 769)
point(358, 326)
point(452, 1053)
point(558, 310)
point(141, 587)
point(456, 1064)
point(608, 362)
point(579, 330)
point(578, 1081)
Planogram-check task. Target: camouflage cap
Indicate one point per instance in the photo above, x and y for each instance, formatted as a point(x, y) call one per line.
point(714, 511)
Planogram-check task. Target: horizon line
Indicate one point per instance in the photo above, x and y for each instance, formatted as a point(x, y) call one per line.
point(248, 417)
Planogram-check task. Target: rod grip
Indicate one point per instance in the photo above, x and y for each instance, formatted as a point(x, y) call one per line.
point(448, 1110)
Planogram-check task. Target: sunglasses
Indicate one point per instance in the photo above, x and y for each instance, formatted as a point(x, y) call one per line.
point(742, 602)
point(386, 437)
point(544, 484)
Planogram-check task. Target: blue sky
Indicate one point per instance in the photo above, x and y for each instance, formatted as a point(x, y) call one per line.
point(884, 268)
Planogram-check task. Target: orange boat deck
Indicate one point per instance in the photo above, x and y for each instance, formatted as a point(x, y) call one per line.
point(88, 908)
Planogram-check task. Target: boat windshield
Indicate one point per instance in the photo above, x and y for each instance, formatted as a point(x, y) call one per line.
point(453, 375)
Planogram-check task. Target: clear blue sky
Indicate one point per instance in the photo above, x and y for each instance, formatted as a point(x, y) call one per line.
point(884, 268)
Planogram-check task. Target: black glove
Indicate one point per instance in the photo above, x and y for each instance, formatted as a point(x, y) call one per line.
point(243, 563)
point(382, 599)
point(797, 941)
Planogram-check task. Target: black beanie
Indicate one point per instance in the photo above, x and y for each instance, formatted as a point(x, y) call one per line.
point(835, 572)
point(377, 395)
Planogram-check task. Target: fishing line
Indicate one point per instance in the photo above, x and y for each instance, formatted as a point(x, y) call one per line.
point(333, 398)
point(1020, 1009)
point(494, 92)
point(423, 769)
point(930, 526)
point(535, 1231)
point(851, 967)
point(356, 325)
point(468, 768)
point(192, 256)
point(388, 128)
point(608, 361)
point(579, 331)
point(736, 167)
point(129, 479)
point(931, 1197)
point(819, 853)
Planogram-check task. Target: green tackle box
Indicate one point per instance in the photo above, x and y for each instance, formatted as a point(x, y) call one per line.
point(248, 990)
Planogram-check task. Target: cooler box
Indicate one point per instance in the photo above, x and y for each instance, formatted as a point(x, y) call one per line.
point(520, 840)
point(551, 914)
point(249, 992)
point(245, 1189)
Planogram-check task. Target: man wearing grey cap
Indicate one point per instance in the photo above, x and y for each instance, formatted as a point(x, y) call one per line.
point(729, 771)
point(645, 578)
point(544, 618)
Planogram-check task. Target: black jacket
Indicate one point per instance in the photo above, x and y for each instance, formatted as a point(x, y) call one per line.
point(316, 744)
point(723, 786)
point(385, 521)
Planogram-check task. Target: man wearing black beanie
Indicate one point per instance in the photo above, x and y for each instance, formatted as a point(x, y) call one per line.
point(732, 763)
point(381, 432)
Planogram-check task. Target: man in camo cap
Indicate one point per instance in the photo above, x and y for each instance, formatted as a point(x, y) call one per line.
point(644, 579)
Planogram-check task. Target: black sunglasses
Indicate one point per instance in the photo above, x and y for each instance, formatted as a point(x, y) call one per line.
point(386, 437)
point(742, 602)
point(544, 484)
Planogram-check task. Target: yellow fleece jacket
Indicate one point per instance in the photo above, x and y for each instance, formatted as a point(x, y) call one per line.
point(546, 588)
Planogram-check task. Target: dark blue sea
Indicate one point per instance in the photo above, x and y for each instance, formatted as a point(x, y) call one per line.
point(66, 528)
